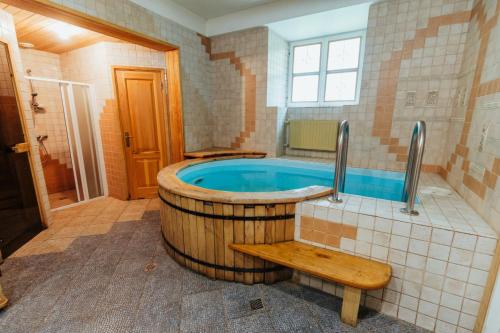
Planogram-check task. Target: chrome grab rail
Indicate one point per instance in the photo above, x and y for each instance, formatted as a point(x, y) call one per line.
point(413, 166)
point(340, 161)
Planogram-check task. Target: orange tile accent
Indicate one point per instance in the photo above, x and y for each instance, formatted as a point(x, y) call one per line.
point(477, 90)
point(349, 231)
point(333, 241)
point(462, 150)
point(318, 237)
point(112, 146)
point(307, 222)
point(488, 88)
point(475, 185)
point(321, 225)
point(496, 167)
point(325, 232)
point(250, 89)
point(205, 41)
point(388, 78)
point(58, 177)
point(443, 172)
point(306, 234)
point(335, 229)
point(490, 179)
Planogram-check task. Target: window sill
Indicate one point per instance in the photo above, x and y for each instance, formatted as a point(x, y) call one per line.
point(321, 105)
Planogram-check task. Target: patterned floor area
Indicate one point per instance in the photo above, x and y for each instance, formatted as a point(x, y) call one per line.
point(102, 268)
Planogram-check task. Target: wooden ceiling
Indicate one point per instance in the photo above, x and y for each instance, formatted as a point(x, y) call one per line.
point(36, 29)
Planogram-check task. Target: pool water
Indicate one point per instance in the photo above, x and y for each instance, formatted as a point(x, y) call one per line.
point(270, 175)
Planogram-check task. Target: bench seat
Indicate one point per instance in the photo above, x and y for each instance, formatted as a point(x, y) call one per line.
point(355, 273)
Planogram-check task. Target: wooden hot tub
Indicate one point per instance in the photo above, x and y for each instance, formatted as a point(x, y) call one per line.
point(198, 224)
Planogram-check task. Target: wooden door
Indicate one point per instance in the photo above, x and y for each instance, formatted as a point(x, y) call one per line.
point(20, 218)
point(141, 102)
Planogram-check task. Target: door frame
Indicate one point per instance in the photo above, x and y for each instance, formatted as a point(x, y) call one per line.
point(26, 133)
point(172, 59)
point(175, 128)
point(165, 128)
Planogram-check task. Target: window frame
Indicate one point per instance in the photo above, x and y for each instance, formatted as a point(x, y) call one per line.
point(323, 68)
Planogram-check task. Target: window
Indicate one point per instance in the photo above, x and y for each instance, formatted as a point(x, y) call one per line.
point(326, 71)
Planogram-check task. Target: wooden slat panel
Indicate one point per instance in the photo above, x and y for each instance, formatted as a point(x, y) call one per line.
point(193, 233)
point(249, 239)
point(270, 239)
point(186, 231)
point(71, 16)
point(209, 239)
point(228, 239)
point(219, 241)
point(239, 238)
point(280, 224)
point(260, 238)
point(35, 29)
point(200, 225)
point(334, 266)
point(179, 236)
point(290, 223)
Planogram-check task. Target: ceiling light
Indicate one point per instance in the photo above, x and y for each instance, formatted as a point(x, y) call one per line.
point(64, 30)
point(25, 45)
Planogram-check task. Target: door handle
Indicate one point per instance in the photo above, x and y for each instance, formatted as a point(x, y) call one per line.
point(21, 147)
point(127, 139)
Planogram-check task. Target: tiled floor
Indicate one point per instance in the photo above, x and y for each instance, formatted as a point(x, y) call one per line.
point(64, 198)
point(102, 268)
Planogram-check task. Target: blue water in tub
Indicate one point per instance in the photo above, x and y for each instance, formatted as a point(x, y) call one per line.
point(270, 175)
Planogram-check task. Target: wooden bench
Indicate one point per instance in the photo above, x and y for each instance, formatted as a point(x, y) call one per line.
point(355, 273)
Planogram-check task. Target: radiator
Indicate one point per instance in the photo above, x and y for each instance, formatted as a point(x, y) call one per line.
point(313, 134)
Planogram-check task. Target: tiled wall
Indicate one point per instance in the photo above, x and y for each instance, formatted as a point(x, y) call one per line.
point(413, 48)
point(473, 163)
point(440, 260)
point(92, 64)
point(195, 66)
point(277, 78)
point(241, 117)
point(51, 122)
point(195, 69)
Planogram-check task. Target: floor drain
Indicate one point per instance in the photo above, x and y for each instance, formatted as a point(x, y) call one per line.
point(256, 304)
point(150, 267)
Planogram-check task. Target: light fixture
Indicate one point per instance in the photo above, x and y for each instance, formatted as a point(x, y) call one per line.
point(26, 45)
point(64, 30)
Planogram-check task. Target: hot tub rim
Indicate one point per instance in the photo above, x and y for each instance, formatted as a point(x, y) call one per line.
point(170, 182)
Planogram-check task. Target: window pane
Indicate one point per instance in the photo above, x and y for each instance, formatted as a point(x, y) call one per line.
point(306, 58)
point(341, 86)
point(343, 54)
point(305, 88)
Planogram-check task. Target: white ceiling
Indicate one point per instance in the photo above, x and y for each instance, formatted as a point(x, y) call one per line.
point(214, 8)
point(324, 23)
point(215, 17)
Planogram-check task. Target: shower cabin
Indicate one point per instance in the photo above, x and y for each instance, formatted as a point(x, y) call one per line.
point(66, 125)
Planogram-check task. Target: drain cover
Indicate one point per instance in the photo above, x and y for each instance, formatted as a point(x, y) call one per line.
point(150, 267)
point(256, 304)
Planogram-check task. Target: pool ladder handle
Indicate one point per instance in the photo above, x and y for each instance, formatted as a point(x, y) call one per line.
point(413, 167)
point(340, 161)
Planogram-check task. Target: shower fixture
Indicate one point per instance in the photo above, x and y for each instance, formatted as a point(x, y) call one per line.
point(44, 154)
point(35, 106)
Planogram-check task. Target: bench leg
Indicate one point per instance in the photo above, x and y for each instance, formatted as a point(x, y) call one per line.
point(350, 305)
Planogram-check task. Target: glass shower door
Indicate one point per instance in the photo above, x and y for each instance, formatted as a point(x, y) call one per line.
point(83, 139)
